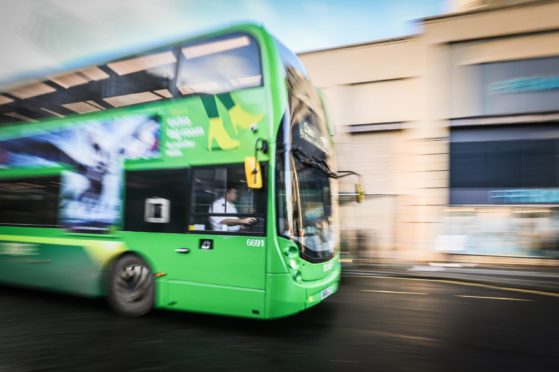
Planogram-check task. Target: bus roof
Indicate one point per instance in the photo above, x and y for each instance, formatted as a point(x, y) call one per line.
point(25, 77)
point(134, 78)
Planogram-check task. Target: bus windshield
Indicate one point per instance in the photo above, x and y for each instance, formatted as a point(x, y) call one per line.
point(306, 213)
point(313, 227)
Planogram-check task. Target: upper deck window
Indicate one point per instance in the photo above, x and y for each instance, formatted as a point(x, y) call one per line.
point(211, 66)
point(219, 65)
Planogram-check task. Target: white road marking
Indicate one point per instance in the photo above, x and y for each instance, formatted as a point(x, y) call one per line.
point(468, 284)
point(395, 292)
point(495, 298)
point(426, 268)
point(344, 361)
point(452, 264)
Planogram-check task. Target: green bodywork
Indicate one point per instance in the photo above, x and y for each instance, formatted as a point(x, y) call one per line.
point(236, 277)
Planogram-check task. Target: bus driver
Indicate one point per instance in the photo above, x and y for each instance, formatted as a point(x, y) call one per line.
point(225, 205)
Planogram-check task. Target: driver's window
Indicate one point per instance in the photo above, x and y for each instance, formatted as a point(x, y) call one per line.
point(222, 202)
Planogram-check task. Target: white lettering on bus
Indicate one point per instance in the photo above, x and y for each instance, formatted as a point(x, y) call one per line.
point(179, 121)
point(255, 243)
point(19, 249)
point(311, 135)
point(180, 134)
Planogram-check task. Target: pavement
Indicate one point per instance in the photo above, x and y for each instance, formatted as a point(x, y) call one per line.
point(534, 278)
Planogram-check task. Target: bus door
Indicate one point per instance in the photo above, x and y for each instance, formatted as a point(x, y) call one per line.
point(226, 227)
point(215, 257)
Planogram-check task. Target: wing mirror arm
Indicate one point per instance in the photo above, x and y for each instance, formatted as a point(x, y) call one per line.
point(359, 191)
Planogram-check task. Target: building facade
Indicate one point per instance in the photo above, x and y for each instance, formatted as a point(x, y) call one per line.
point(455, 131)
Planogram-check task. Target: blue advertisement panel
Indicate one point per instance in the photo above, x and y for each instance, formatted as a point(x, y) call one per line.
point(94, 154)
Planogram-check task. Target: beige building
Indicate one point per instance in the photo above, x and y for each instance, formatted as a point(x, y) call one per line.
point(455, 131)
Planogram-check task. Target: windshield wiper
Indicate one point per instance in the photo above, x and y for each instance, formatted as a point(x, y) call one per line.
point(319, 163)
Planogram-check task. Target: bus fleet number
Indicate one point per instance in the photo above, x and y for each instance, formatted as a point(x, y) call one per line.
point(255, 243)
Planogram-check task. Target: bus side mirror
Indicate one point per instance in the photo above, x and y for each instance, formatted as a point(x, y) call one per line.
point(253, 173)
point(359, 193)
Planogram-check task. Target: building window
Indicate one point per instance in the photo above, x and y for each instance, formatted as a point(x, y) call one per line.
point(222, 203)
point(508, 165)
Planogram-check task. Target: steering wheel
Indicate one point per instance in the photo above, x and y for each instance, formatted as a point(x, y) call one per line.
point(256, 226)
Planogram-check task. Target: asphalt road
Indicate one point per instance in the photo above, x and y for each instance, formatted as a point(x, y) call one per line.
point(373, 324)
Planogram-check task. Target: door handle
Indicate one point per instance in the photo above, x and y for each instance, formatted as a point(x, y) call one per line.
point(182, 250)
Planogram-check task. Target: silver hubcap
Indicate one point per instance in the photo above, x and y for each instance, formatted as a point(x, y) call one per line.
point(133, 283)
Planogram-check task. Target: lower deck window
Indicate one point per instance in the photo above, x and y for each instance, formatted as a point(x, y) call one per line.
point(156, 200)
point(30, 201)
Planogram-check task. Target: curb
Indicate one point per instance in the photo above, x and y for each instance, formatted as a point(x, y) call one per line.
point(537, 287)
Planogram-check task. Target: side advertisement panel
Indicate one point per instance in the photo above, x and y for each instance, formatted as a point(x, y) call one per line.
point(93, 155)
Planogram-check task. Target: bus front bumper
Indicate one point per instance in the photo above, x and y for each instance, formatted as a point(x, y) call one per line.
point(286, 297)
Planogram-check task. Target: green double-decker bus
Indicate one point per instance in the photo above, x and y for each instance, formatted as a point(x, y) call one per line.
point(195, 176)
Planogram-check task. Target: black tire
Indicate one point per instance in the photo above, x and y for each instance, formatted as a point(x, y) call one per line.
point(131, 289)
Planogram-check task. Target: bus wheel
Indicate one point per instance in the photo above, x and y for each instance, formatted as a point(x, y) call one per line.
point(131, 288)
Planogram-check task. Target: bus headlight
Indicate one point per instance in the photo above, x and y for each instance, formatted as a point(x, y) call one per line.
point(293, 264)
point(291, 251)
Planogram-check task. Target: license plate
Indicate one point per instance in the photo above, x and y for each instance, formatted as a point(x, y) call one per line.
point(325, 293)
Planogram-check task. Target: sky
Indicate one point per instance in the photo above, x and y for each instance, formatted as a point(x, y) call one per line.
point(47, 34)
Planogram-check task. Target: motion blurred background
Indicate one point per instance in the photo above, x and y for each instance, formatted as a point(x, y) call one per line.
point(448, 109)
point(455, 132)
